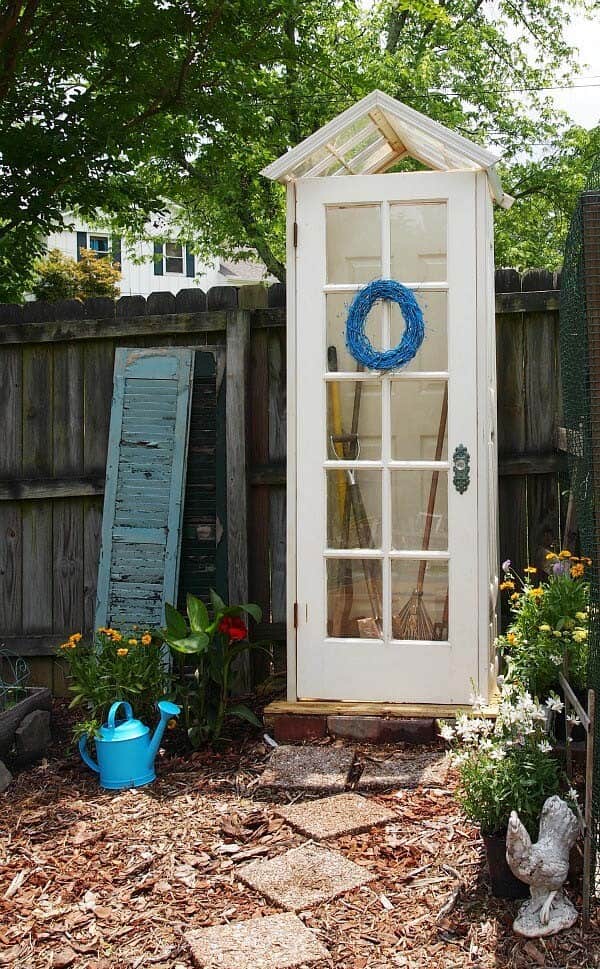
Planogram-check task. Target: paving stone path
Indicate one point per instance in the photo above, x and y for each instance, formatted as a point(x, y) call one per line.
point(312, 873)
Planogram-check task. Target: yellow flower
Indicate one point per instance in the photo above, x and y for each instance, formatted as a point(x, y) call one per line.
point(581, 616)
point(104, 630)
point(511, 638)
point(132, 642)
point(75, 638)
point(122, 651)
point(531, 569)
point(557, 633)
point(537, 591)
point(68, 645)
point(565, 554)
point(115, 636)
point(508, 584)
point(146, 639)
point(544, 628)
point(515, 596)
point(171, 724)
point(551, 556)
point(577, 571)
point(580, 635)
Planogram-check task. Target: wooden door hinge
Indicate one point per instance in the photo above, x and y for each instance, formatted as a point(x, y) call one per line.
point(295, 234)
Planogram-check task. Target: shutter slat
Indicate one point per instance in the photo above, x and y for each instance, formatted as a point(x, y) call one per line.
point(145, 482)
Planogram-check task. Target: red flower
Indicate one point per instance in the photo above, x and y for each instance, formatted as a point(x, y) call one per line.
point(233, 627)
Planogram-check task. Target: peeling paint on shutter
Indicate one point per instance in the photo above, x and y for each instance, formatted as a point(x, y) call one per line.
point(145, 481)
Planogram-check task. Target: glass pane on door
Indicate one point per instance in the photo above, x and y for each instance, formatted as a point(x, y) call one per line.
point(433, 352)
point(418, 241)
point(420, 510)
point(419, 420)
point(353, 243)
point(353, 420)
point(420, 599)
point(354, 598)
point(354, 509)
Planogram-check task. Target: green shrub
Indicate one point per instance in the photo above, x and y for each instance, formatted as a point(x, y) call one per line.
point(60, 277)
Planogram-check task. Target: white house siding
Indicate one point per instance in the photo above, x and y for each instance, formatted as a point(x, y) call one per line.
point(137, 274)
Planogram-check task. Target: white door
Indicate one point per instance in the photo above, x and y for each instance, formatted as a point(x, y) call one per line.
point(386, 544)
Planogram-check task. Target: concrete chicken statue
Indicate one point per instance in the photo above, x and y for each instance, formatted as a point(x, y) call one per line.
point(543, 866)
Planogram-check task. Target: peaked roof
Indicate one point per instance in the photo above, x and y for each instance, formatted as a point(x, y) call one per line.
point(373, 135)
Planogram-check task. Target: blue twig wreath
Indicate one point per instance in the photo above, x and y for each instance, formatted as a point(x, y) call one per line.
point(358, 342)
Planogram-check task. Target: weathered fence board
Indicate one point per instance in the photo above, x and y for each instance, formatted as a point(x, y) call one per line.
point(55, 393)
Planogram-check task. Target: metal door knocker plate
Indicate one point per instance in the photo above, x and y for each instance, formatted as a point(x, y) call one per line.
point(461, 466)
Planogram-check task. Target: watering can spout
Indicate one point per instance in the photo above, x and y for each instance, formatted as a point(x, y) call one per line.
point(167, 710)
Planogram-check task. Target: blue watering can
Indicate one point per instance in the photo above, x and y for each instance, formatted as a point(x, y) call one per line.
point(125, 750)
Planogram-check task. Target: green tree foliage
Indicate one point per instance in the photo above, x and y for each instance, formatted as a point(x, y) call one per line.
point(89, 91)
point(478, 67)
point(59, 277)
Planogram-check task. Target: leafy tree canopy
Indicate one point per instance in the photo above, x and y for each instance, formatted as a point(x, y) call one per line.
point(116, 109)
point(89, 91)
point(482, 68)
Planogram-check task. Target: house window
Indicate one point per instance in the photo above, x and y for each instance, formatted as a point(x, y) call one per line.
point(174, 257)
point(99, 245)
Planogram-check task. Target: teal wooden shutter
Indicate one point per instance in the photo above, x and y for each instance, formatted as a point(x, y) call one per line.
point(145, 482)
point(158, 259)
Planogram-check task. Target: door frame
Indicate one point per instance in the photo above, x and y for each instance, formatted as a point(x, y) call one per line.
point(484, 476)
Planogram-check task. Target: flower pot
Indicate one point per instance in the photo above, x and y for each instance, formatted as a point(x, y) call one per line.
point(504, 883)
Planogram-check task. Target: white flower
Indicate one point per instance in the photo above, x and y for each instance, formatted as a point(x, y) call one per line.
point(556, 659)
point(477, 701)
point(498, 753)
point(573, 720)
point(544, 746)
point(447, 732)
point(553, 703)
point(573, 795)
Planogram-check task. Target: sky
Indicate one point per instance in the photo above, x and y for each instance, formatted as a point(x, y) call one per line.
point(583, 103)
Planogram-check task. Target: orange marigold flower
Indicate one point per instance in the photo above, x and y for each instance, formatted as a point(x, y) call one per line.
point(586, 561)
point(565, 554)
point(508, 584)
point(122, 651)
point(515, 596)
point(146, 639)
point(115, 636)
point(551, 556)
point(132, 642)
point(538, 591)
point(531, 569)
point(75, 638)
point(577, 571)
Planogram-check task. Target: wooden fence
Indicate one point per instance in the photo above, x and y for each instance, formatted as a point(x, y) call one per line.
point(56, 363)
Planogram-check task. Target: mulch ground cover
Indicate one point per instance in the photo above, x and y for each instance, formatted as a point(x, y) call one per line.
point(102, 880)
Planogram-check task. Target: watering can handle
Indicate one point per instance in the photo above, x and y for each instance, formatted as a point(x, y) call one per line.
point(83, 751)
point(113, 712)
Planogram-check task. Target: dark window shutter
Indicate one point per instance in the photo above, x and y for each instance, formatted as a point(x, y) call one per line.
point(190, 263)
point(81, 243)
point(158, 259)
point(116, 249)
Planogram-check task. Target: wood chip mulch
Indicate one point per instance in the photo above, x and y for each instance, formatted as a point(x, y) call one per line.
point(92, 879)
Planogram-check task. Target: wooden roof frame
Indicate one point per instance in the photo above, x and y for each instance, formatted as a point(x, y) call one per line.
point(407, 132)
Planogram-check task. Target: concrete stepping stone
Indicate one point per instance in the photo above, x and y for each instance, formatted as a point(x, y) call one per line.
point(406, 770)
point(273, 942)
point(308, 768)
point(331, 817)
point(304, 876)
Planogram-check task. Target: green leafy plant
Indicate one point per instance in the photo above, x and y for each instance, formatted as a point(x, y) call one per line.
point(114, 666)
point(549, 624)
point(213, 642)
point(506, 765)
point(60, 277)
